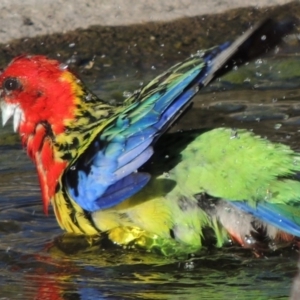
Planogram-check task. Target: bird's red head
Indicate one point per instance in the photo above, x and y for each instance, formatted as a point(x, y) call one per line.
point(40, 94)
point(36, 89)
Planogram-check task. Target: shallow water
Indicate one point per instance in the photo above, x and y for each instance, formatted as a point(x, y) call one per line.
point(38, 262)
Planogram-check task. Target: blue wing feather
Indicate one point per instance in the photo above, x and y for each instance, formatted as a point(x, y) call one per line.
point(122, 189)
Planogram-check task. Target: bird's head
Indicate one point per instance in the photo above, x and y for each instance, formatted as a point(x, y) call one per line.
point(41, 95)
point(35, 89)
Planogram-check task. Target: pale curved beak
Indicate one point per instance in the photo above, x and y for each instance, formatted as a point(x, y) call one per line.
point(8, 110)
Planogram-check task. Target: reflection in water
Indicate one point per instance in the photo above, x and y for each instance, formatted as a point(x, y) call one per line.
point(38, 262)
point(116, 274)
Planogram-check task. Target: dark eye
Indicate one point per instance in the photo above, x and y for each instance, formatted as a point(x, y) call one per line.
point(11, 84)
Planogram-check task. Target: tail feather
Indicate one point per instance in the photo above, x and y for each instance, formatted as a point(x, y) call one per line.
point(282, 216)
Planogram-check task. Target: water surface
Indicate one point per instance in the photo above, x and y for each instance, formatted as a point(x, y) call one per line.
point(38, 262)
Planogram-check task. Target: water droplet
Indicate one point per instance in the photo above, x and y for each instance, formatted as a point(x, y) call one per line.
point(249, 240)
point(63, 67)
point(263, 37)
point(73, 168)
point(268, 196)
point(112, 102)
point(200, 53)
point(234, 134)
point(153, 68)
point(196, 88)
point(277, 126)
point(228, 209)
point(127, 94)
point(88, 97)
point(71, 45)
point(166, 175)
point(189, 265)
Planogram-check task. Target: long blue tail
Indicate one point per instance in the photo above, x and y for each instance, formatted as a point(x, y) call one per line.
point(282, 216)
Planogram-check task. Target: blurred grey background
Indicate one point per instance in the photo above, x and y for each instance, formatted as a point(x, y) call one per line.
point(28, 18)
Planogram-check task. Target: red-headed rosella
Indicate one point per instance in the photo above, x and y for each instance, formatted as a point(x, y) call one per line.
point(107, 169)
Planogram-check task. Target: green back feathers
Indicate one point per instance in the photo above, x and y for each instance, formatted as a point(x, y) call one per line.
point(237, 165)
